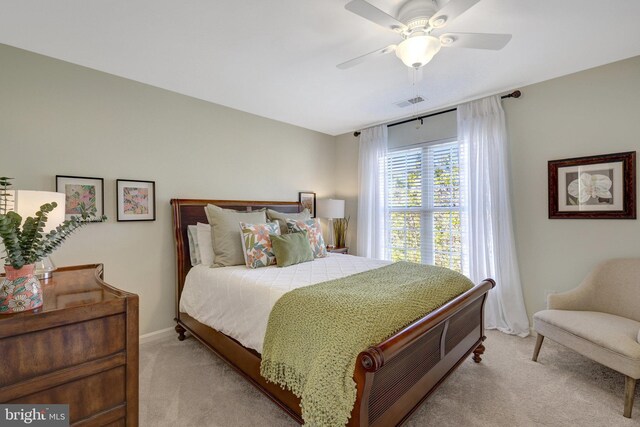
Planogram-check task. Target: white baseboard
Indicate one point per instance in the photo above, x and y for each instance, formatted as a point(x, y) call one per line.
point(156, 335)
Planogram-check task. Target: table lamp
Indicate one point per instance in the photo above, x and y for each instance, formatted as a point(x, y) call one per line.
point(331, 209)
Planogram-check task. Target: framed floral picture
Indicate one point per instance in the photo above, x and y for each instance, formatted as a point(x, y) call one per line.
point(308, 200)
point(81, 191)
point(136, 200)
point(594, 187)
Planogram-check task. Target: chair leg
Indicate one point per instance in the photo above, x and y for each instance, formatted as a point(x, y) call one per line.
point(629, 391)
point(536, 350)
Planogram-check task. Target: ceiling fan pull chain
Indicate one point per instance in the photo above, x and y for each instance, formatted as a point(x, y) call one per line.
point(415, 79)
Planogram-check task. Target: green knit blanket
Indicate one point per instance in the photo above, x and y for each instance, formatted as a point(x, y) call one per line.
point(315, 333)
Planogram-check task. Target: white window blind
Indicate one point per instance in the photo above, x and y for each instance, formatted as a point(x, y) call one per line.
point(423, 205)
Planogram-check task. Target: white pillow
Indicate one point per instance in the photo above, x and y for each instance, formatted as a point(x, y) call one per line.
point(205, 244)
point(194, 250)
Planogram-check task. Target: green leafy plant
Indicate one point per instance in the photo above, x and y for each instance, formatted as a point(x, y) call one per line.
point(25, 242)
point(5, 197)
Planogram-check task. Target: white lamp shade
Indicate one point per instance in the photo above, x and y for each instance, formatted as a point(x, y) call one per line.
point(417, 51)
point(330, 208)
point(26, 203)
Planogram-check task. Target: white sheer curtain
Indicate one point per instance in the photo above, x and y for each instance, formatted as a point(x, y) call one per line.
point(487, 225)
point(371, 198)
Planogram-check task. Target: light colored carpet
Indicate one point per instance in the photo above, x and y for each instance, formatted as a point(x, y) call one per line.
point(184, 384)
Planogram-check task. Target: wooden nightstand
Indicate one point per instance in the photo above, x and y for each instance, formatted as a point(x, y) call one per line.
point(338, 250)
point(80, 348)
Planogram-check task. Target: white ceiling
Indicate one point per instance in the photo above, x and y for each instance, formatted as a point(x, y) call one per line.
point(277, 58)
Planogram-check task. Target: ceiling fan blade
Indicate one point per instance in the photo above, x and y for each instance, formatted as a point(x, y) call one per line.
point(450, 11)
point(366, 57)
point(475, 40)
point(373, 14)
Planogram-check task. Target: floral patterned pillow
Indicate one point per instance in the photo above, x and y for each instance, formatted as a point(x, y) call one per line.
point(256, 244)
point(314, 233)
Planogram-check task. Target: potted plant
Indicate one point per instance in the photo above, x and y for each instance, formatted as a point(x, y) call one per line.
point(340, 226)
point(25, 243)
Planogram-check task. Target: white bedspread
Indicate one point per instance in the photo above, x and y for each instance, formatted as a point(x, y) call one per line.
point(237, 300)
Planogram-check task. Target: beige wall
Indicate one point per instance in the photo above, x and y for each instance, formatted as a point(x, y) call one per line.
point(58, 118)
point(591, 112)
point(346, 180)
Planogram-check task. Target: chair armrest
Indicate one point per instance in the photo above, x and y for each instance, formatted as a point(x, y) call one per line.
point(575, 299)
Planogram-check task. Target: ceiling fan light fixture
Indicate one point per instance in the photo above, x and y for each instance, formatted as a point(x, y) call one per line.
point(418, 50)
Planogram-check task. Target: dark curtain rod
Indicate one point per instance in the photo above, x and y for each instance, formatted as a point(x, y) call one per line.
point(514, 94)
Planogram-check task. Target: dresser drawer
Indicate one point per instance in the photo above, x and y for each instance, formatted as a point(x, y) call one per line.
point(29, 355)
point(87, 396)
point(80, 348)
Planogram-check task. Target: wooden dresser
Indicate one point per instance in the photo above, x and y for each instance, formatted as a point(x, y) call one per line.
point(80, 348)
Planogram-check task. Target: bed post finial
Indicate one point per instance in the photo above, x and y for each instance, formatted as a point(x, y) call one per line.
point(371, 359)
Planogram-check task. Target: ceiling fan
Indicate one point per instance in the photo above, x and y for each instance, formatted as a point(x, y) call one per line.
point(417, 22)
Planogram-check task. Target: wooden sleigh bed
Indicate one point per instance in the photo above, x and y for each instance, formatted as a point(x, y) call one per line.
point(393, 378)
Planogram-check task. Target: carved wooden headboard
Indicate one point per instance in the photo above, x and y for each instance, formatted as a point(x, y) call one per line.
point(191, 211)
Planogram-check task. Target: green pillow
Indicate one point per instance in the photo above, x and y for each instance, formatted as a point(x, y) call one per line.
point(292, 248)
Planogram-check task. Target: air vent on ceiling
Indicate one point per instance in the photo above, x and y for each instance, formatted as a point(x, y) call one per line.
point(411, 101)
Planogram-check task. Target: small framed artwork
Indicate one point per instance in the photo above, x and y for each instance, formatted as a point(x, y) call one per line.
point(594, 187)
point(308, 200)
point(136, 200)
point(81, 191)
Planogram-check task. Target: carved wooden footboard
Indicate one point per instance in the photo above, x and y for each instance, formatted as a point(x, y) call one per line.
point(393, 378)
point(396, 376)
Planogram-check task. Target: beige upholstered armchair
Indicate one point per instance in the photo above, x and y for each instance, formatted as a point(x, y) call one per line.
point(599, 319)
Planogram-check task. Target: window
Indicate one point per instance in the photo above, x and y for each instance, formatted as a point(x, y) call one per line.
point(423, 205)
